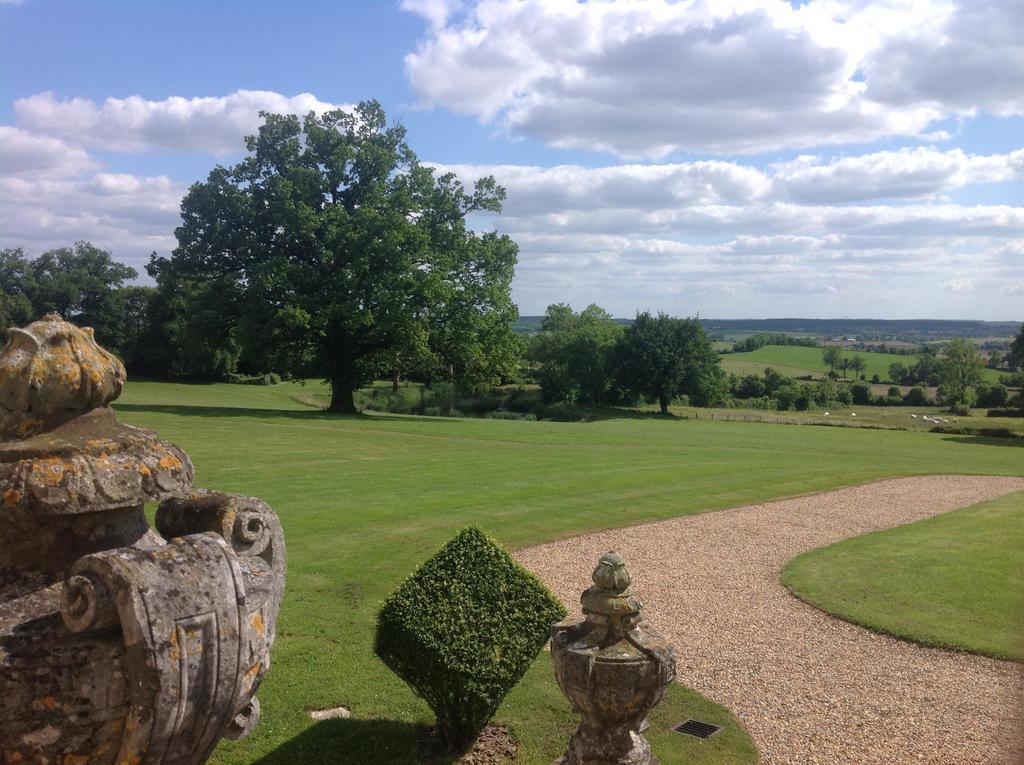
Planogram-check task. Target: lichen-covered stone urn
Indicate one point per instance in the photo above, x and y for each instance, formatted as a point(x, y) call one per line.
point(118, 644)
point(614, 669)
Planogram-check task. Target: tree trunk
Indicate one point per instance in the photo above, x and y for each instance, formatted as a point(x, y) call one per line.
point(341, 370)
point(341, 398)
point(396, 377)
point(663, 401)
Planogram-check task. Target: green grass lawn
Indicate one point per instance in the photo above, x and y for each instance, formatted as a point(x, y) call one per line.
point(956, 580)
point(798, 361)
point(364, 500)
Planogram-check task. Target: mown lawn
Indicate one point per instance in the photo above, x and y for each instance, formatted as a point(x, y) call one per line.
point(364, 500)
point(956, 580)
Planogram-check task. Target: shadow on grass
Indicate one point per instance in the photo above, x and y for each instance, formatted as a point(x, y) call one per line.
point(380, 742)
point(308, 415)
point(180, 410)
point(232, 411)
point(987, 440)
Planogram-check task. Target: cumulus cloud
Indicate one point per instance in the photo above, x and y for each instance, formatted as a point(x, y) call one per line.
point(22, 153)
point(212, 124)
point(860, 271)
point(573, 187)
point(973, 59)
point(918, 173)
point(728, 239)
point(728, 76)
point(907, 173)
point(132, 215)
point(436, 12)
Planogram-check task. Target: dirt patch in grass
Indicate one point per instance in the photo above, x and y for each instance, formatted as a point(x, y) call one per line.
point(495, 745)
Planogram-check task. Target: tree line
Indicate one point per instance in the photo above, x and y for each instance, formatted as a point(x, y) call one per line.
point(190, 327)
point(762, 339)
point(589, 358)
point(84, 284)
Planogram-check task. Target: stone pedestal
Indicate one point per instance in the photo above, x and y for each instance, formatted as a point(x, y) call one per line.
point(118, 644)
point(613, 668)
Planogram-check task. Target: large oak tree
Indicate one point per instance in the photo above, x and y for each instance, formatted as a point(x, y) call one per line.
point(331, 234)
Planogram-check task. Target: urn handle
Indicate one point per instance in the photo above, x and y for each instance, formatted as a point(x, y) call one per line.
point(196, 643)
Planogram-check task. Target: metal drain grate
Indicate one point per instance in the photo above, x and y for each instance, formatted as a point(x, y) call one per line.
point(697, 728)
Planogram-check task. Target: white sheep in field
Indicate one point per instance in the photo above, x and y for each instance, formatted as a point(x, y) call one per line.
point(914, 416)
point(826, 414)
point(853, 414)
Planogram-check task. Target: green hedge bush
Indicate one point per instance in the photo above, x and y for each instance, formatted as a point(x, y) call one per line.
point(463, 630)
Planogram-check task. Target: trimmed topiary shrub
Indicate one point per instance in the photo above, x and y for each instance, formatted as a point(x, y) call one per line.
point(463, 630)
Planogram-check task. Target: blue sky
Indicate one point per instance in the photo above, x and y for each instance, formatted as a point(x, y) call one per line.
point(740, 158)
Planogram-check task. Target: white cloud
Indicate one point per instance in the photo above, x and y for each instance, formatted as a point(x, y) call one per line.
point(130, 215)
point(22, 153)
point(213, 124)
point(959, 286)
point(730, 240)
point(436, 12)
point(657, 190)
point(972, 60)
point(573, 187)
point(645, 79)
point(907, 173)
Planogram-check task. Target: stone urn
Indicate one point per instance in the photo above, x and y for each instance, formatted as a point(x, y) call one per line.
point(614, 669)
point(118, 643)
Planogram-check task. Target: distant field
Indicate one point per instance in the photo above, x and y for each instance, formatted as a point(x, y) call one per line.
point(956, 580)
point(796, 361)
point(365, 499)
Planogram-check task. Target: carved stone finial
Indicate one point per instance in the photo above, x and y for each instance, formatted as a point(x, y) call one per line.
point(614, 669)
point(610, 594)
point(117, 645)
point(53, 366)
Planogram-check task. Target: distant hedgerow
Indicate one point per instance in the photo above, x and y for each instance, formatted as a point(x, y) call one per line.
point(463, 629)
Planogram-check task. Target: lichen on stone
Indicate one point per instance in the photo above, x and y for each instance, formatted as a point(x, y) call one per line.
point(52, 366)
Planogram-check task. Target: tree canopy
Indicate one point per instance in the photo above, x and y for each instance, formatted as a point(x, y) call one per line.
point(16, 306)
point(831, 355)
point(665, 357)
point(331, 239)
point(84, 284)
point(1017, 350)
point(960, 369)
point(572, 353)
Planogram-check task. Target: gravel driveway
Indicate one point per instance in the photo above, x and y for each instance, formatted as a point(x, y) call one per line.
point(809, 688)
